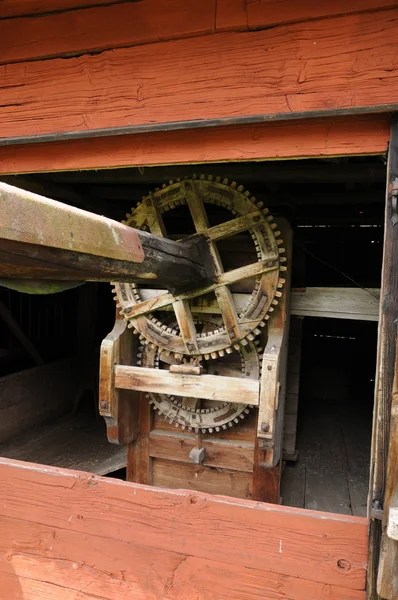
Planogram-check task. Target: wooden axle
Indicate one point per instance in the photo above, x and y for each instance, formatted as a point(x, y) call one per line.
point(44, 239)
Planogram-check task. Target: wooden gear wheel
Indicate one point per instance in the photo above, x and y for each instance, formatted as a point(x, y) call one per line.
point(199, 415)
point(242, 214)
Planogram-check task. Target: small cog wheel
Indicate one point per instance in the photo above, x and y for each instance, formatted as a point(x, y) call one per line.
point(199, 415)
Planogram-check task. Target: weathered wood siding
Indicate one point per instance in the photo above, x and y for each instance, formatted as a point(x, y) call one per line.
point(88, 537)
point(146, 63)
point(304, 138)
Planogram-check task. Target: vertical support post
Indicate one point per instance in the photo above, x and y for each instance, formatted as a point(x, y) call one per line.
point(267, 466)
point(385, 363)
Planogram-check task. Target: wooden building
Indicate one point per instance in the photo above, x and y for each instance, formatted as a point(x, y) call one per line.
point(294, 495)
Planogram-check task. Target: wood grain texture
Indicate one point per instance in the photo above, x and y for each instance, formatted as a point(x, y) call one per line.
point(34, 396)
point(103, 513)
point(10, 8)
point(48, 563)
point(283, 140)
point(174, 475)
point(212, 387)
point(231, 15)
point(266, 13)
point(75, 442)
point(385, 364)
point(331, 64)
point(103, 27)
point(222, 454)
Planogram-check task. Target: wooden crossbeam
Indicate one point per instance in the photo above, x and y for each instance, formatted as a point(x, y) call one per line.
point(211, 387)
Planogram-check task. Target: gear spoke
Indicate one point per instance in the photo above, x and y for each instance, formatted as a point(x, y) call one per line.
point(196, 207)
point(154, 218)
point(230, 228)
point(187, 326)
point(228, 313)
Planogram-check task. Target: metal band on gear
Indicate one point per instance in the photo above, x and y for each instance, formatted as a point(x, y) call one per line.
point(210, 416)
point(249, 215)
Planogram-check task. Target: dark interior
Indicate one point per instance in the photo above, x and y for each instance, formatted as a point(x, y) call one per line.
point(335, 207)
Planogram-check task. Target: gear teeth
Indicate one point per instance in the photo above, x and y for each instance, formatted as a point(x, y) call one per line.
point(221, 353)
point(240, 189)
point(273, 226)
point(228, 350)
point(270, 218)
point(130, 325)
point(233, 184)
point(282, 250)
point(224, 427)
point(281, 282)
point(282, 268)
point(282, 259)
point(244, 342)
point(247, 194)
point(278, 294)
point(257, 331)
point(275, 302)
point(207, 356)
point(210, 178)
point(236, 346)
point(213, 355)
point(202, 177)
point(270, 310)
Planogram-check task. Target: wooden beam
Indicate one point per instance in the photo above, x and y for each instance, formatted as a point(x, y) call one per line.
point(329, 302)
point(99, 28)
point(45, 239)
point(337, 303)
point(169, 529)
point(211, 387)
point(357, 135)
point(134, 81)
point(9, 8)
point(267, 13)
point(386, 356)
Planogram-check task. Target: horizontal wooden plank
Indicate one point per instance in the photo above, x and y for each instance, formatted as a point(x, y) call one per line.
point(223, 454)
point(53, 563)
point(265, 13)
point(336, 303)
point(174, 475)
point(211, 387)
point(103, 27)
point(308, 138)
point(321, 547)
point(326, 65)
point(10, 8)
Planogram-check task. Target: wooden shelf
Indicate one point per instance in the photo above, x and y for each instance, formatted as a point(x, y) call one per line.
point(73, 442)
